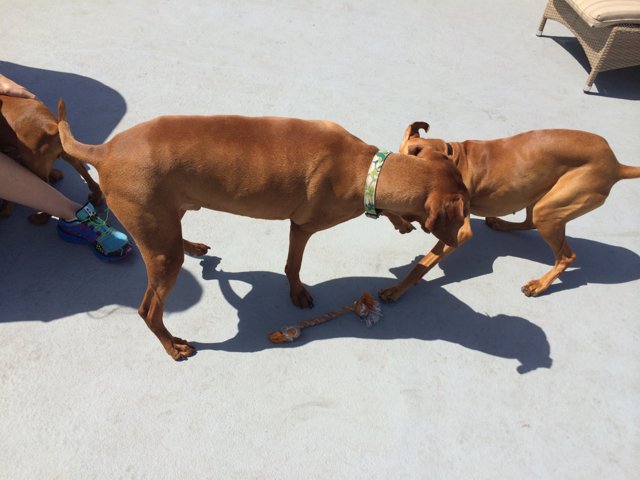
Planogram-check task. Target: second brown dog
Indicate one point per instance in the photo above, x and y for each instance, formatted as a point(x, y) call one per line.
point(556, 175)
point(29, 133)
point(311, 172)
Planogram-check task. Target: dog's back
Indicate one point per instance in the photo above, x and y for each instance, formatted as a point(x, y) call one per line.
point(26, 121)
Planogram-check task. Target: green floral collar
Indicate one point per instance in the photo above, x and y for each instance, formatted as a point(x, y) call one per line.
point(371, 183)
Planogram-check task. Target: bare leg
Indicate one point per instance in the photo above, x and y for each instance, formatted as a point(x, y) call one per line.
point(19, 185)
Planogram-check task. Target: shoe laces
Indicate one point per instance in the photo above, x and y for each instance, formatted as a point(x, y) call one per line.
point(99, 225)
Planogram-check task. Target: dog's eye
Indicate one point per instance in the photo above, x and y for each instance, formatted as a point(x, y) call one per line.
point(414, 150)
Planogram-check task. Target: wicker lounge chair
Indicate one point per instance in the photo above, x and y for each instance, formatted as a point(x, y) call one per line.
point(608, 30)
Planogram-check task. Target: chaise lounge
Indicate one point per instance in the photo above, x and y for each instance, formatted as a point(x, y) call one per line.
point(608, 30)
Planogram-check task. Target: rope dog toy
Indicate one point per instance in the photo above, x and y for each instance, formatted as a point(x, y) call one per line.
point(365, 307)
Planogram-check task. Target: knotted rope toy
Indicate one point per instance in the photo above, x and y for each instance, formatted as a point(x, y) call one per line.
point(365, 307)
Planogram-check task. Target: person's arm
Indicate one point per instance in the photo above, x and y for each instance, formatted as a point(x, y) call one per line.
point(9, 87)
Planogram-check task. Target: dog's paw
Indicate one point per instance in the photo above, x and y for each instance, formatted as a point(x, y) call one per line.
point(493, 222)
point(405, 228)
point(55, 175)
point(40, 218)
point(533, 288)
point(180, 349)
point(6, 208)
point(301, 298)
point(195, 249)
point(389, 295)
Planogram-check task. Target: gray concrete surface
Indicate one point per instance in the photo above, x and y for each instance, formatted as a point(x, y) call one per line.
point(465, 378)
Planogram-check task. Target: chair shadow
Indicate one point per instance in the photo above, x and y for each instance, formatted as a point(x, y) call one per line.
point(434, 315)
point(623, 83)
point(43, 278)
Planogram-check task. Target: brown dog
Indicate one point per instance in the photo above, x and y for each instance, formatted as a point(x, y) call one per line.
point(29, 132)
point(311, 172)
point(556, 175)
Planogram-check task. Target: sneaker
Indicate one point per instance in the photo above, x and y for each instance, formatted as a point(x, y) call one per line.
point(108, 244)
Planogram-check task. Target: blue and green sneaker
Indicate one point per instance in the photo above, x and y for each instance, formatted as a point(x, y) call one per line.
point(108, 244)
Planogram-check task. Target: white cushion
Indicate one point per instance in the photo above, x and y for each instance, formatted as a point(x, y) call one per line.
point(604, 13)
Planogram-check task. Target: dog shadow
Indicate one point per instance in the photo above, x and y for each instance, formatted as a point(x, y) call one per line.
point(43, 278)
point(437, 315)
point(621, 83)
point(95, 109)
point(596, 262)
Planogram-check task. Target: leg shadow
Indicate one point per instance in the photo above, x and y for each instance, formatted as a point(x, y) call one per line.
point(596, 262)
point(436, 315)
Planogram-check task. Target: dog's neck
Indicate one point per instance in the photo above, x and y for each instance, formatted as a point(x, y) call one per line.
point(394, 179)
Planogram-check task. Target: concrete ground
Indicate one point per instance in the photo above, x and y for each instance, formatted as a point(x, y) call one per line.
point(464, 378)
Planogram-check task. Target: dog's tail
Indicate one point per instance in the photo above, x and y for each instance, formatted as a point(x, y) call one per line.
point(92, 154)
point(627, 171)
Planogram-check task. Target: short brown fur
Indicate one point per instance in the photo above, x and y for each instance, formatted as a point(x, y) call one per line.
point(556, 175)
point(311, 172)
point(29, 133)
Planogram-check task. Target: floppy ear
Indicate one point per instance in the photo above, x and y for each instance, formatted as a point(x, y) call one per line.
point(413, 130)
point(445, 216)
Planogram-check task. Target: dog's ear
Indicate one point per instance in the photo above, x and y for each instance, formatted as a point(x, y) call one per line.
point(413, 130)
point(445, 216)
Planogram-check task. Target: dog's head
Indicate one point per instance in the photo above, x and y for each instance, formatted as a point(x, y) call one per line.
point(414, 144)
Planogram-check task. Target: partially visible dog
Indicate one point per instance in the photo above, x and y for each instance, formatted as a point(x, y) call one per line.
point(29, 134)
point(556, 175)
point(311, 172)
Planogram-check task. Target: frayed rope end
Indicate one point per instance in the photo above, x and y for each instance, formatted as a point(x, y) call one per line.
point(368, 309)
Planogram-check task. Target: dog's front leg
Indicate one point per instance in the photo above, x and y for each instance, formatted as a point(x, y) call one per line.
point(298, 239)
point(195, 249)
point(399, 223)
point(426, 263)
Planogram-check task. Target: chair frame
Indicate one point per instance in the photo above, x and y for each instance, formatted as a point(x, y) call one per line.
point(607, 48)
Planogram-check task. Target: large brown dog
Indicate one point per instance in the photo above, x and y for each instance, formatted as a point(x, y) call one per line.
point(29, 132)
point(311, 172)
point(556, 175)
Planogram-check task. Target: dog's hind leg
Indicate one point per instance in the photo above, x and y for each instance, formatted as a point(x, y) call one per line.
point(158, 235)
point(162, 272)
point(554, 234)
point(504, 226)
point(298, 238)
point(569, 199)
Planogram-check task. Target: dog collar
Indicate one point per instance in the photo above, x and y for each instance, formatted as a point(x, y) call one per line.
point(371, 183)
